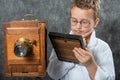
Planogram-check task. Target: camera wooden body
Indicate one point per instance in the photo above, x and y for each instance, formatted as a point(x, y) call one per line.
point(34, 64)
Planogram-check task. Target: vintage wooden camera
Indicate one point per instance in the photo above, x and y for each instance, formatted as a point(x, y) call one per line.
point(25, 48)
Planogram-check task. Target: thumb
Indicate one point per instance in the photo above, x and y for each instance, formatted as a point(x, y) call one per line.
point(87, 49)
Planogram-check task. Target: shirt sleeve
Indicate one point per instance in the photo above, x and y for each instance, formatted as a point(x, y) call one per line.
point(105, 69)
point(57, 69)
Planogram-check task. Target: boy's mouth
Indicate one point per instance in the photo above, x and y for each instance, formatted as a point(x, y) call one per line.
point(77, 32)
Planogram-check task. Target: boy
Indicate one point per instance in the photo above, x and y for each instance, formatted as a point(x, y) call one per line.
point(96, 61)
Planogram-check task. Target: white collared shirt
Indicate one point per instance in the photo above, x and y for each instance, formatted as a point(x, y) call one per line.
point(71, 71)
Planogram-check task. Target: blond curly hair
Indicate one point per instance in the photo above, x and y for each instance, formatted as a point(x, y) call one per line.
point(88, 4)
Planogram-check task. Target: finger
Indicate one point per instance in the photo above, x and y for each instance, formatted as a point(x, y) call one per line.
point(87, 50)
point(79, 57)
point(79, 51)
point(85, 42)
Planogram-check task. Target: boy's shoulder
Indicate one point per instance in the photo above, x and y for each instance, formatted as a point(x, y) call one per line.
point(102, 44)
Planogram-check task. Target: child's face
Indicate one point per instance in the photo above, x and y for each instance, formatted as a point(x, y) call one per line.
point(82, 21)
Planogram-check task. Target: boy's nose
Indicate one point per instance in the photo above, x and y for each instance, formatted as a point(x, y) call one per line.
point(79, 26)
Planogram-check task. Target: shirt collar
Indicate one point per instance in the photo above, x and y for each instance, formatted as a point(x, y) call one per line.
point(92, 41)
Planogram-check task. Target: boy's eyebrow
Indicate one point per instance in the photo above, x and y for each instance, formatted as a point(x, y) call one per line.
point(81, 19)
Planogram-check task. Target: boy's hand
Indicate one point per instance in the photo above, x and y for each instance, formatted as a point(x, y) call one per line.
point(86, 37)
point(85, 57)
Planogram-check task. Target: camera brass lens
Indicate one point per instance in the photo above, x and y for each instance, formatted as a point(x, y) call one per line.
point(20, 50)
point(23, 47)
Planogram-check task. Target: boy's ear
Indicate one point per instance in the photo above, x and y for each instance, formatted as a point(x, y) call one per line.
point(96, 22)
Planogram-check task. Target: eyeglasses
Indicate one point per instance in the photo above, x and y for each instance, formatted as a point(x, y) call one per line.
point(84, 23)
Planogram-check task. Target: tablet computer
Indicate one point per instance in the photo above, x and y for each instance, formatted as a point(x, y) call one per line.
point(63, 45)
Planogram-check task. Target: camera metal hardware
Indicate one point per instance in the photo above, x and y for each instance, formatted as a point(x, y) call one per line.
point(23, 47)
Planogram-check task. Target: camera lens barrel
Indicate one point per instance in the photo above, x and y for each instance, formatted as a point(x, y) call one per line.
point(23, 47)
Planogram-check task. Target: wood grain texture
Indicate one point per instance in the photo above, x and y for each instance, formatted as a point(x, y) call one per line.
point(56, 12)
point(33, 64)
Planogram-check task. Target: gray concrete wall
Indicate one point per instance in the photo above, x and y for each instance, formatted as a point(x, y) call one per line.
point(56, 12)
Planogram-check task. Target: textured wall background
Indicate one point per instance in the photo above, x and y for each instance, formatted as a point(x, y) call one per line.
point(56, 12)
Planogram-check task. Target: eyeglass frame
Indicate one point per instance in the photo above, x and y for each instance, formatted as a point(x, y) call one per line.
point(80, 22)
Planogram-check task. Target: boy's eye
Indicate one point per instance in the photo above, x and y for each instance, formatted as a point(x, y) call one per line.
point(74, 21)
point(84, 22)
